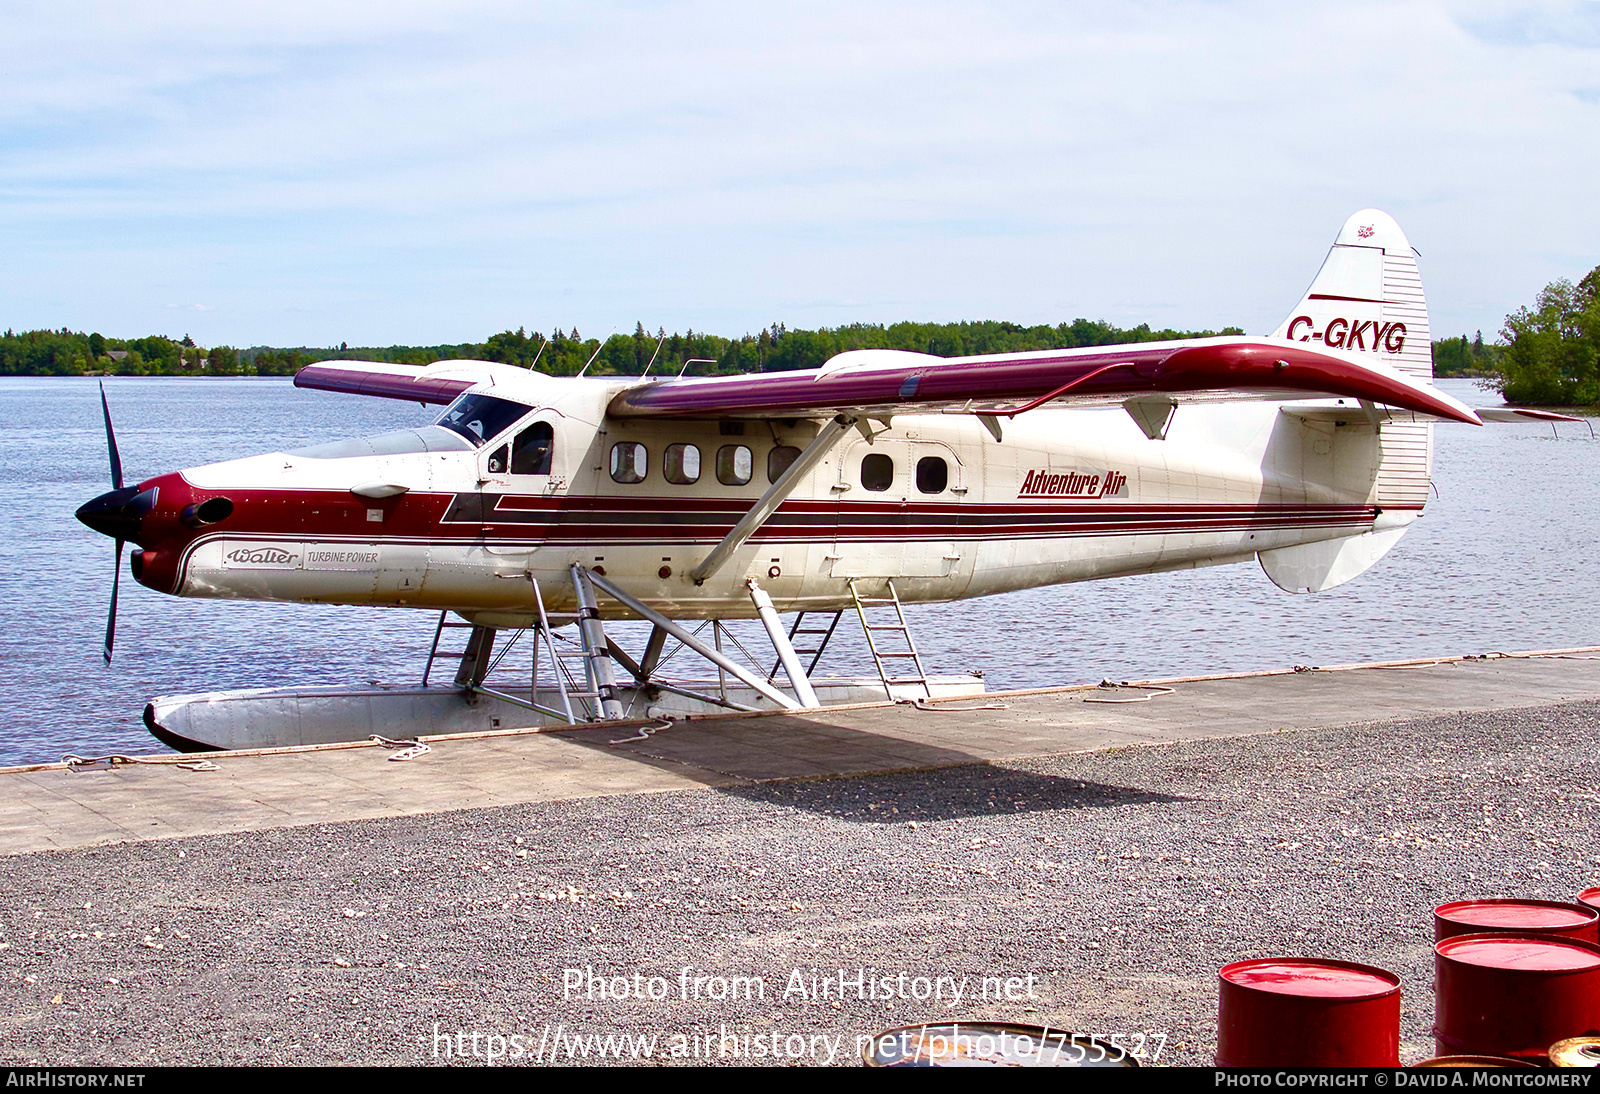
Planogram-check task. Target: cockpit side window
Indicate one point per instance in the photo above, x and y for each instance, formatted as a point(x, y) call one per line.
point(481, 418)
point(530, 453)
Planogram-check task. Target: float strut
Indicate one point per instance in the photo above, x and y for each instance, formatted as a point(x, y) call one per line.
point(595, 646)
point(781, 643)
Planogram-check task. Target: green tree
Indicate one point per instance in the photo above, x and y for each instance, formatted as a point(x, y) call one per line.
point(222, 361)
point(1551, 351)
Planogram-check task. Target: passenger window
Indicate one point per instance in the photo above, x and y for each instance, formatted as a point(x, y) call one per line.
point(497, 462)
point(877, 471)
point(681, 464)
point(629, 461)
point(530, 455)
point(933, 475)
point(779, 459)
point(734, 465)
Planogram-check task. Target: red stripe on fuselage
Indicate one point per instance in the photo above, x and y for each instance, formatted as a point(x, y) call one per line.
point(575, 520)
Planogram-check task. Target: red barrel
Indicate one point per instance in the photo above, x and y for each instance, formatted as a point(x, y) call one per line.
point(1513, 994)
point(1305, 1012)
point(1516, 916)
point(1590, 898)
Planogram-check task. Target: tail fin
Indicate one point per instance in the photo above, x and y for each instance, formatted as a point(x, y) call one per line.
point(1367, 298)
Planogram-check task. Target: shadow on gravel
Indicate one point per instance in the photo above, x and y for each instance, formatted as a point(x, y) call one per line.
point(971, 790)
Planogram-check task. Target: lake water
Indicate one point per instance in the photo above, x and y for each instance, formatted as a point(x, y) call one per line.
point(1504, 559)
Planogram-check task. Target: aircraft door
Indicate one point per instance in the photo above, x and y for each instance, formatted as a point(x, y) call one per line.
point(900, 516)
point(936, 495)
point(519, 502)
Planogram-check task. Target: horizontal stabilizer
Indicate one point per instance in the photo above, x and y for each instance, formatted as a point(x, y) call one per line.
point(1520, 414)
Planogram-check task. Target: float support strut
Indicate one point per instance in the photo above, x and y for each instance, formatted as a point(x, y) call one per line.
point(687, 637)
point(780, 642)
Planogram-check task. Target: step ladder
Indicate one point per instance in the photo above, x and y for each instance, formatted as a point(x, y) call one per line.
point(799, 629)
point(434, 654)
point(884, 656)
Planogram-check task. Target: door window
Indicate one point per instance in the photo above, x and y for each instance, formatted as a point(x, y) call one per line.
point(530, 453)
point(933, 475)
point(877, 471)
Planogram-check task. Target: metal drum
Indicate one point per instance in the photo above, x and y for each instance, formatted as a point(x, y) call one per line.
point(1513, 994)
point(1516, 916)
point(1304, 1012)
point(1590, 898)
point(1576, 1052)
point(990, 1044)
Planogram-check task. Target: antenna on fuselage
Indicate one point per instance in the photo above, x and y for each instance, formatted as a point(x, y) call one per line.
point(659, 343)
point(538, 355)
point(596, 353)
point(695, 361)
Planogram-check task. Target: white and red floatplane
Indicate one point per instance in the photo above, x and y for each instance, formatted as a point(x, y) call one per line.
point(882, 478)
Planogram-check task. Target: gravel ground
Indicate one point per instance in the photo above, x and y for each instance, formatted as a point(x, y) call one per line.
point(1118, 881)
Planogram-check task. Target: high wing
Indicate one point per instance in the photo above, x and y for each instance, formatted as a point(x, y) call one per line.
point(439, 382)
point(881, 382)
point(878, 382)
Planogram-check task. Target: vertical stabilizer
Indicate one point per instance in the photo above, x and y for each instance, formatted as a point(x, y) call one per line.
point(1367, 301)
point(1367, 298)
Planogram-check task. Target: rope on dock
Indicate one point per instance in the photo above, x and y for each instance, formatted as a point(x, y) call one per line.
point(74, 762)
point(944, 705)
point(1151, 690)
point(408, 750)
point(645, 732)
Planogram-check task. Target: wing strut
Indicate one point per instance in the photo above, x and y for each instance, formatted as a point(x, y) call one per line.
point(775, 496)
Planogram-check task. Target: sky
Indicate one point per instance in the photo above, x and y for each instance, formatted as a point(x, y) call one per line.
point(300, 173)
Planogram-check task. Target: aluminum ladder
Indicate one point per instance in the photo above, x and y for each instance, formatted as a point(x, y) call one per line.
point(884, 658)
point(472, 650)
point(816, 652)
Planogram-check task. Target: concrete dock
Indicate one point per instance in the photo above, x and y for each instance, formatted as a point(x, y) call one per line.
point(51, 806)
point(1115, 845)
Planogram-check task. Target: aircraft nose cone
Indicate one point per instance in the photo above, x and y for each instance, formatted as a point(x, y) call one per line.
point(118, 513)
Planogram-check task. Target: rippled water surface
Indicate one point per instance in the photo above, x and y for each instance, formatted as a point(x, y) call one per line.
point(1504, 559)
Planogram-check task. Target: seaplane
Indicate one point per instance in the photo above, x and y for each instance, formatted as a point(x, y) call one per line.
point(552, 507)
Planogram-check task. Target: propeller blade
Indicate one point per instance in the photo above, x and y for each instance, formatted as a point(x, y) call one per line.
point(116, 467)
point(111, 617)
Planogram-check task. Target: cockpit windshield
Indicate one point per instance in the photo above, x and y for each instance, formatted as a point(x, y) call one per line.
point(481, 418)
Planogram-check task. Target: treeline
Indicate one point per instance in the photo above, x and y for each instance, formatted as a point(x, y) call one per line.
point(565, 353)
point(1547, 354)
point(72, 353)
point(1461, 357)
